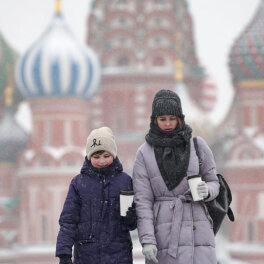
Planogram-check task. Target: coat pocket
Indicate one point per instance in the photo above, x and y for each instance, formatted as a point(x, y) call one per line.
point(207, 214)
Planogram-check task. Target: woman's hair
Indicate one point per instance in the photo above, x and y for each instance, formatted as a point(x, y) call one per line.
point(179, 122)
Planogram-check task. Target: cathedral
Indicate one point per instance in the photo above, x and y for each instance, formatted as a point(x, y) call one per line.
point(132, 50)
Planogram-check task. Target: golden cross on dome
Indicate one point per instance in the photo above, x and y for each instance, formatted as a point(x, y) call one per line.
point(9, 96)
point(58, 6)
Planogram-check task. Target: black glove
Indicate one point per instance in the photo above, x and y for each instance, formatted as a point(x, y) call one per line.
point(130, 219)
point(65, 259)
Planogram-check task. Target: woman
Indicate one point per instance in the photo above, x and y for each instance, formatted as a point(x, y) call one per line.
point(173, 229)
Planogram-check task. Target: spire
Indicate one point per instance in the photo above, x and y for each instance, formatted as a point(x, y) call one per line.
point(58, 7)
point(178, 65)
point(9, 91)
point(9, 96)
point(178, 74)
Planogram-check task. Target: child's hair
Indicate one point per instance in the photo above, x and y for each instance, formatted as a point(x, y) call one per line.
point(101, 139)
point(99, 152)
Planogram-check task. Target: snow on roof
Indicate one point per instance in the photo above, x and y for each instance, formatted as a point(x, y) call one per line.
point(259, 142)
point(57, 153)
point(250, 131)
point(224, 248)
point(136, 70)
point(247, 248)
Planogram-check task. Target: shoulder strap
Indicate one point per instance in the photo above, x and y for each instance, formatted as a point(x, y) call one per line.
point(197, 153)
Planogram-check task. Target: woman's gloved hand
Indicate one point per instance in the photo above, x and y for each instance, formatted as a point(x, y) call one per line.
point(202, 190)
point(150, 252)
point(65, 259)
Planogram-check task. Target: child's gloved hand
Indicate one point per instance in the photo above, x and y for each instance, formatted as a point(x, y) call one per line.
point(65, 259)
point(130, 219)
point(150, 252)
point(202, 189)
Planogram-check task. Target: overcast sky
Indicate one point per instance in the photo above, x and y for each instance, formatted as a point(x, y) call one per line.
point(216, 25)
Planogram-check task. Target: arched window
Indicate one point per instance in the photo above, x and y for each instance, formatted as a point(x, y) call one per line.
point(44, 228)
point(250, 232)
point(158, 61)
point(123, 61)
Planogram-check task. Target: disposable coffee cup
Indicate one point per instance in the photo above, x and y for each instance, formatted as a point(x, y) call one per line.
point(193, 182)
point(126, 200)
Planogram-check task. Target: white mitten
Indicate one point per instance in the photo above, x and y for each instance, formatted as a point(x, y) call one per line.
point(202, 190)
point(150, 252)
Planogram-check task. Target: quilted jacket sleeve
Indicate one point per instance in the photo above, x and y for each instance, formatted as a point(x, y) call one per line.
point(144, 200)
point(68, 221)
point(208, 168)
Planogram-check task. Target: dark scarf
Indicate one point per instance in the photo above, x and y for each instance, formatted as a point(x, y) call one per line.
point(172, 152)
point(113, 169)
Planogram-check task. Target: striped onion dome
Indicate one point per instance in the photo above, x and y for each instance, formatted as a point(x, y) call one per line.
point(247, 54)
point(12, 138)
point(58, 66)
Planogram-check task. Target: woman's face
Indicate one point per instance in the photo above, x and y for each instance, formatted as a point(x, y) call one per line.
point(167, 123)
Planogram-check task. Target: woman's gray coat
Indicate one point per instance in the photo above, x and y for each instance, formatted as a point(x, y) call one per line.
point(181, 229)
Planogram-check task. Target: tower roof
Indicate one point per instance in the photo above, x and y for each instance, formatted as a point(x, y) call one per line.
point(7, 63)
point(247, 53)
point(12, 137)
point(57, 65)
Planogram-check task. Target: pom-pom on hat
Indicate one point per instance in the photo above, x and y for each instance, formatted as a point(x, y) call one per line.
point(166, 102)
point(101, 139)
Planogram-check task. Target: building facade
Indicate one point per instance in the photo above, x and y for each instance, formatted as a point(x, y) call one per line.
point(142, 49)
point(242, 142)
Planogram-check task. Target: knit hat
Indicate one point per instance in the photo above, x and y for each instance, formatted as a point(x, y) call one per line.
point(101, 139)
point(166, 102)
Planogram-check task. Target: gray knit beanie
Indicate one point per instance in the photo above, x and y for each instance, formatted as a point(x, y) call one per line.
point(166, 102)
point(101, 139)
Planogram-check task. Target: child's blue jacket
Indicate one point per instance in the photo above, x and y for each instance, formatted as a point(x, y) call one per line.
point(90, 220)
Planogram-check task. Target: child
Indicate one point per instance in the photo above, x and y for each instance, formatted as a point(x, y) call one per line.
point(90, 220)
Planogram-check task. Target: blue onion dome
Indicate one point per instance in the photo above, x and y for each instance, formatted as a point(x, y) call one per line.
point(58, 66)
point(247, 54)
point(8, 58)
point(13, 138)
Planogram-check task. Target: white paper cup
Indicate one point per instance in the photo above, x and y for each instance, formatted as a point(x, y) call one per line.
point(126, 200)
point(193, 182)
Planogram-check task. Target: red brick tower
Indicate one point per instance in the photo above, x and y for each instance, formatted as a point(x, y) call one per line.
point(138, 43)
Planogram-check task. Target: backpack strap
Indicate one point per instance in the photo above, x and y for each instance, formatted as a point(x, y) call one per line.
point(197, 153)
point(229, 212)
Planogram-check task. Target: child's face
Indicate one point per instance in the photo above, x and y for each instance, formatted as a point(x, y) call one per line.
point(102, 160)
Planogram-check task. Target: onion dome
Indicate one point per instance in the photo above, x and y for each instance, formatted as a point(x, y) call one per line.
point(7, 63)
point(12, 137)
point(247, 53)
point(57, 65)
